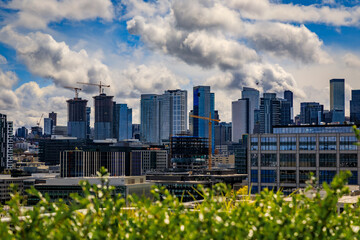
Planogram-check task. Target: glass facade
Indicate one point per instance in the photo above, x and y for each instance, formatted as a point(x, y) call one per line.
point(287, 160)
point(307, 160)
point(254, 143)
point(307, 143)
point(287, 176)
point(326, 176)
point(353, 180)
point(304, 175)
point(268, 176)
point(327, 143)
point(314, 129)
point(348, 143)
point(268, 160)
point(327, 160)
point(254, 160)
point(254, 176)
point(269, 143)
point(287, 143)
point(348, 160)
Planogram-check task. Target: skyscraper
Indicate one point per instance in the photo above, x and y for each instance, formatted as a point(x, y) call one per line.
point(254, 96)
point(240, 111)
point(53, 116)
point(10, 143)
point(270, 112)
point(337, 100)
point(5, 146)
point(289, 96)
point(22, 132)
point(203, 106)
point(77, 118)
point(149, 118)
point(104, 108)
point(355, 106)
point(285, 112)
point(122, 122)
point(311, 112)
point(88, 116)
point(48, 126)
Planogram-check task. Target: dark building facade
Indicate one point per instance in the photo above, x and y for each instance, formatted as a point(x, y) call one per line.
point(104, 108)
point(22, 132)
point(270, 112)
point(337, 100)
point(3, 141)
point(355, 106)
point(311, 112)
point(223, 132)
point(77, 118)
point(53, 116)
point(286, 112)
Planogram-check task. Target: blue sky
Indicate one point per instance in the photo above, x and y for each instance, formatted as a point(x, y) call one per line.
point(148, 47)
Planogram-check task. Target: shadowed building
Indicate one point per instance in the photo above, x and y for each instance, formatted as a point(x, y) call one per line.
point(103, 116)
point(77, 121)
point(337, 100)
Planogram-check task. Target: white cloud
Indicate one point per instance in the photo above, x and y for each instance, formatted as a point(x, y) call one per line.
point(351, 60)
point(34, 14)
point(3, 59)
point(7, 79)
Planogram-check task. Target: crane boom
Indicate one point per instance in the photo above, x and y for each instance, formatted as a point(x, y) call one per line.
point(76, 91)
point(210, 120)
point(38, 123)
point(100, 85)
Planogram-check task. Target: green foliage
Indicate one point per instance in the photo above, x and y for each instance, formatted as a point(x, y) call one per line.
point(357, 134)
point(98, 214)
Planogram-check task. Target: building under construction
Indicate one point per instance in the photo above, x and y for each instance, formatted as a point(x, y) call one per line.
point(189, 152)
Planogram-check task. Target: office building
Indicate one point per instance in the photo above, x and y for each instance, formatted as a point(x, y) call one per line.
point(311, 113)
point(53, 116)
point(77, 118)
point(149, 119)
point(270, 112)
point(152, 160)
point(10, 143)
point(203, 106)
point(240, 111)
point(254, 104)
point(136, 131)
point(285, 159)
point(22, 132)
point(88, 128)
point(337, 100)
point(355, 106)
point(122, 122)
point(289, 96)
point(37, 131)
point(104, 112)
point(285, 112)
point(3, 142)
point(223, 133)
point(48, 126)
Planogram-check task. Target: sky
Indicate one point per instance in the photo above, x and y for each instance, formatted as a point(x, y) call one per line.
point(140, 47)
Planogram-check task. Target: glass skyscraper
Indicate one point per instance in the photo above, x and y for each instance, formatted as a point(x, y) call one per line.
point(289, 96)
point(103, 116)
point(355, 106)
point(270, 112)
point(77, 118)
point(48, 126)
point(254, 100)
point(149, 118)
point(122, 122)
point(240, 118)
point(337, 100)
point(203, 105)
point(311, 112)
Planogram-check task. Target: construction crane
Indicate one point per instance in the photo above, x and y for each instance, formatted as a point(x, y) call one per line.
point(100, 85)
point(210, 120)
point(38, 123)
point(76, 91)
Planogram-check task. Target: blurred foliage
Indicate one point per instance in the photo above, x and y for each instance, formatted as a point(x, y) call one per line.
point(223, 214)
point(357, 134)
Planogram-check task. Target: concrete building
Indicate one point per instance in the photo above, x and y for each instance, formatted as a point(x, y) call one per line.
point(240, 112)
point(5, 190)
point(104, 112)
point(355, 106)
point(3, 141)
point(337, 100)
point(152, 160)
point(284, 159)
point(10, 144)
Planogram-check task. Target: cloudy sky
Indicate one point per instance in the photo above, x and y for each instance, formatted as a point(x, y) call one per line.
point(149, 46)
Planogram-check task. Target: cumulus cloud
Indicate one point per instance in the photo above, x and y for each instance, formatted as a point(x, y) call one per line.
point(351, 60)
point(3, 59)
point(34, 14)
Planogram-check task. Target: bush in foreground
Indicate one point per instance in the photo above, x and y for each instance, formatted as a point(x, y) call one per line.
point(100, 215)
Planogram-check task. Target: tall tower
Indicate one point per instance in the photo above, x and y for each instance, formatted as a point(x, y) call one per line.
point(355, 106)
point(3, 141)
point(77, 120)
point(270, 112)
point(103, 116)
point(53, 116)
point(289, 96)
point(337, 100)
point(254, 97)
point(122, 122)
point(203, 105)
point(240, 111)
point(149, 118)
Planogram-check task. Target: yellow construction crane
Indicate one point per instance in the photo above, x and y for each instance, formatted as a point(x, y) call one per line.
point(38, 123)
point(76, 91)
point(210, 120)
point(100, 85)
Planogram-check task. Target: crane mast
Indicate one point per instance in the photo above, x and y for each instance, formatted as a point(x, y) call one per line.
point(100, 85)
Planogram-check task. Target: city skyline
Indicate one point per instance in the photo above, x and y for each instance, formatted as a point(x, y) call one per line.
point(134, 46)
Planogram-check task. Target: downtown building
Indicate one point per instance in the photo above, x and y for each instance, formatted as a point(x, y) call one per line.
point(122, 126)
point(355, 107)
point(285, 159)
point(337, 100)
point(6, 143)
point(77, 118)
point(163, 116)
point(104, 114)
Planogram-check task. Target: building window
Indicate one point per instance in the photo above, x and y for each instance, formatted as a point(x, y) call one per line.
point(268, 160)
point(287, 160)
point(269, 143)
point(304, 175)
point(307, 143)
point(287, 143)
point(254, 159)
point(254, 176)
point(348, 143)
point(287, 176)
point(327, 160)
point(348, 160)
point(254, 143)
point(326, 176)
point(307, 160)
point(254, 189)
point(353, 180)
point(268, 176)
point(327, 143)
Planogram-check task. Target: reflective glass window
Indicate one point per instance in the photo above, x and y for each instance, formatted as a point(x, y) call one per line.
point(268, 160)
point(307, 160)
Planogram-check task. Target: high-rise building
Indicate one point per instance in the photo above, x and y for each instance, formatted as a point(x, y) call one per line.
point(48, 126)
point(286, 111)
point(270, 112)
point(22, 132)
point(104, 108)
point(10, 143)
point(355, 106)
point(311, 112)
point(88, 116)
point(53, 116)
point(77, 118)
point(163, 115)
point(254, 97)
point(240, 111)
point(6, 142)
point(289, 96)
point(203, 106)
point(216, 116)
point(337, 100)
point(122, 122)
point(136, 131)
point(223, 133)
